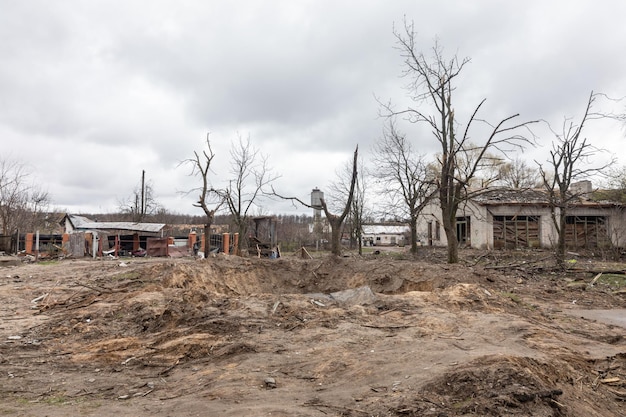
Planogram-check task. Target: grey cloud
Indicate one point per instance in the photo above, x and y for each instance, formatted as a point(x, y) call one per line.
point(121, 86)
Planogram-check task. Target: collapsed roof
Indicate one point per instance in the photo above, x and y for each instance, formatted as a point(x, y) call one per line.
point(82, 223)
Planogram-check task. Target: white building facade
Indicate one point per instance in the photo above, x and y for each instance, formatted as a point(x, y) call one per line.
point(525, 222)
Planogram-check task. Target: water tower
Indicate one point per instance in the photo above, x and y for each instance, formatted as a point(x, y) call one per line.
point(316, 203)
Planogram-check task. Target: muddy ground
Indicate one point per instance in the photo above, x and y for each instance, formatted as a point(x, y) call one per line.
point(496, 335)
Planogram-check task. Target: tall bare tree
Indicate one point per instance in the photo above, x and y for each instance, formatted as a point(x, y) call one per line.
point(336, 221)
point(209, 200)
point(251, 175)
point(569, 162)
point(431, 88)
point(340, 190)
point(22, 201)
point(404, 178)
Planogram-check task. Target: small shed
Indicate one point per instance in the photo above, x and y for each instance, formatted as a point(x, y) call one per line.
point(126, 236)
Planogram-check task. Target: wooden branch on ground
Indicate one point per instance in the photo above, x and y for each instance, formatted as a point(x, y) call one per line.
point(169, 368)
point(597, 271)
point(593, 281)
point(518, 265)
point(336, 408)
point(78, 304)
point(304, 254)
point(398, 326)
point(97, 289)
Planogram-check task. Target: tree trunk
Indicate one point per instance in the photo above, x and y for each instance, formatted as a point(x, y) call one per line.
point(207, 239)
point(335, 236)
point(453, 248)
point(560, 246)
point(242, 228)
point(413, 227)
point(449, 226)
point(336, 221)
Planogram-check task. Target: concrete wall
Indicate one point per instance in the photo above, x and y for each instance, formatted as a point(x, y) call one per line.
point(481, 223)
point(617, 227)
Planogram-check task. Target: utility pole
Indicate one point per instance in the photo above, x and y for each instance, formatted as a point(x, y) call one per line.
point(143, 194)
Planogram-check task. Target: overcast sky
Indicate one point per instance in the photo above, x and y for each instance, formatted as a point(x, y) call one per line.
point(93, 92)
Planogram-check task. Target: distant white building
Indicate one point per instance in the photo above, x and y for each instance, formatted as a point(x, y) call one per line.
point(385, 235)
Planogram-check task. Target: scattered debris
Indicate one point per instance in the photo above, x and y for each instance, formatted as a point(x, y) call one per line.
point(304, 254)
point(38, 299)
point(265, 249)
point(594, 280)
point(269, 382)
point(361, 295)
point(351, 336)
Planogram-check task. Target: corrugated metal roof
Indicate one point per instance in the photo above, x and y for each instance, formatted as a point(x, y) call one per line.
point(83, 223)
point(78, 221)
point(134, 227)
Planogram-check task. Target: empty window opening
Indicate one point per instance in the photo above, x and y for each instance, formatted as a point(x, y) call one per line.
point(586, 231)
point(512, 232)
point(463, 231)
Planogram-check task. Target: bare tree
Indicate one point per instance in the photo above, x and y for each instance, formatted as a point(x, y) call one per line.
point(569, 162)
point(251, 175)
point(22, 202)
point(404, 178)
point(517, 174)
point(614, 185)
point(209, 200)
point(358, 211)
point(431, 87)
point(487, 166)
point(335, 221)
point(340, 190)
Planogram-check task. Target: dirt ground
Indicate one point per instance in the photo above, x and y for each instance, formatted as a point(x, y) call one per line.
point(498, 334)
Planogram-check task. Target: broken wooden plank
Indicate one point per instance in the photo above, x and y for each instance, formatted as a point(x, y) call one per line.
point(595, 279)
point(41, 297)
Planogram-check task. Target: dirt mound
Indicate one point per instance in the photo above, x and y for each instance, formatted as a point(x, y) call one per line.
point(184, 309)
point(497, 386)
point(501, 386)
point(245, 276)
point(334, 336)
